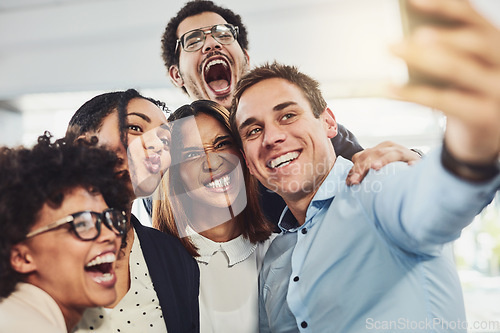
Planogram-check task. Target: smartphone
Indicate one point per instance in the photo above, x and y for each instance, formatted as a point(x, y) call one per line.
point(412, 19)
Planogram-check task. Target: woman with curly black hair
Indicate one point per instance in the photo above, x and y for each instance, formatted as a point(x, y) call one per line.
point(56, 257)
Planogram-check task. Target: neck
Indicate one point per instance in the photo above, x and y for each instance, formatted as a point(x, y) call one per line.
point(299, 202)
point(218, 224)
point(71, 313)
point(223, 232)
point(299, 207)
point(71, 316)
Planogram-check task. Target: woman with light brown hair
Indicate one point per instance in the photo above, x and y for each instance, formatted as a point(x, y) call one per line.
point(215, 211)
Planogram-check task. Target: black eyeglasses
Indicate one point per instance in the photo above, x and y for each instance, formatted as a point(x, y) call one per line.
point(87, 224)
point(195, 39)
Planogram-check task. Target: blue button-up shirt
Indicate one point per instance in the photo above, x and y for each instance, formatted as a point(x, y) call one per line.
point(373, 257)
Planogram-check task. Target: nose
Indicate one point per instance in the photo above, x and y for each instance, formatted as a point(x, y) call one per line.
point(151, 141)
point(211, 44)
point(273, 135)
point(213, 162)
point(107, 235)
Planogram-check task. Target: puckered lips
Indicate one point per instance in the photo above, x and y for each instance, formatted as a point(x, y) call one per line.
point(282, 160)
point(217, 75)
point(101, 269)
point(153, 163)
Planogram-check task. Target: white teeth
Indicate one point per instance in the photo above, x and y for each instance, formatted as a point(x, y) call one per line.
point(215, 62)
point(219, 90)
point(104, 277)
point(282, 160)
point(221, 182)
point(105, 259)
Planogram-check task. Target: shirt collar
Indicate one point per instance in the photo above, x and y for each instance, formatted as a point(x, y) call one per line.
point(288, 222)
point(333, 183)
point(335, 180)
point(237, 249)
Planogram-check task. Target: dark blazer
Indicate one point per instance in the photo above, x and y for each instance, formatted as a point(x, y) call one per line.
point(175, 275)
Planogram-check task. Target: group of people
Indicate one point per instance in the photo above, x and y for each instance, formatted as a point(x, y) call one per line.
point(259, 224)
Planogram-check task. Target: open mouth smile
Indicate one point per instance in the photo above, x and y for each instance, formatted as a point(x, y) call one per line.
point(282, 160)
point(101, 269)
point(220, 184)
point(217, 75)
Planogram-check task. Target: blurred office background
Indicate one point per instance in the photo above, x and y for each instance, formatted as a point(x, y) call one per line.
point(57, 54)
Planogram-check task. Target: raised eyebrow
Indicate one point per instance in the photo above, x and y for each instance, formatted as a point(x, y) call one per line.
point(247, 123)
point(166, 127)
point(253, 120)
point(202, 29)
point(283, 105)
point(221, 138)
point(140, 115)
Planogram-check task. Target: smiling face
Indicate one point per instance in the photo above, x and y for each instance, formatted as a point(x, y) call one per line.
point(285, 146)
point(148, 137)
point(210, 169)
point(66, 267)
point(213, 71)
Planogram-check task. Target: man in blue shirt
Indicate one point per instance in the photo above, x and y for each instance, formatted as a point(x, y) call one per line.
point(377, 255)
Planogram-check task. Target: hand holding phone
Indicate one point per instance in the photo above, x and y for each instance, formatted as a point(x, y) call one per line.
point(458, 63)
point(413, 19)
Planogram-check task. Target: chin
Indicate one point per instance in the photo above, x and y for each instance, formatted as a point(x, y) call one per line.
point(104, 299)
point(227, 105)
point(237, 202)
point(147, 186)
point(222, 202)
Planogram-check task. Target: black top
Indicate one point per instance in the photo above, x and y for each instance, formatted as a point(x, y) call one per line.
point(175, 276)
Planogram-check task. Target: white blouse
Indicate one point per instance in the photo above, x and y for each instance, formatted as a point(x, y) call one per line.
point(30, 309)
point(229, 274)
point(138, 311)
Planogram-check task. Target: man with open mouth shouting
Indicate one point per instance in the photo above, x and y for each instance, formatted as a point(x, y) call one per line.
point(205, 51)
point(59, 237)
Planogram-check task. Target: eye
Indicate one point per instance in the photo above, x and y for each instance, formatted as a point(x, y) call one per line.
point(135, 128)
point(224, 144)
point(192, 40)
point(166, 143)
point(224, 35)
point(191, 155)
point(84, 222)
point(288, 116)
point(80, 224)
point(253, 132)
point(192, 43)
point(164, 135)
